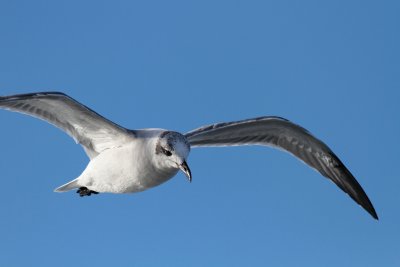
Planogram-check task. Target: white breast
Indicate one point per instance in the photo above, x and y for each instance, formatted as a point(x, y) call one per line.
point(125, 169)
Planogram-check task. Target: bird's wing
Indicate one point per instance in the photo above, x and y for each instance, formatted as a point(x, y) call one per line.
point(283, 134)
point(94, 132)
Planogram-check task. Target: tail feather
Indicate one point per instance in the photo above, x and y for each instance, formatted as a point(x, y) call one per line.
point(68, 186)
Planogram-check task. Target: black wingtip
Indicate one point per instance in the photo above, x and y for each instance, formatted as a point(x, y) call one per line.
point(343, 178)
point(373, 213)
point(367, 206)
point(362, 199)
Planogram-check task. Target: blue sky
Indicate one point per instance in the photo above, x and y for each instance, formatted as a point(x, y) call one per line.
point(331, 67)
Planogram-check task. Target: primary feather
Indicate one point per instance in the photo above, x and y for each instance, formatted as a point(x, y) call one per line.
point(94, 132)
point(283, 134)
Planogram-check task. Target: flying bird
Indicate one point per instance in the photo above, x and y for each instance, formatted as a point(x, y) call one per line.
point(128, 161)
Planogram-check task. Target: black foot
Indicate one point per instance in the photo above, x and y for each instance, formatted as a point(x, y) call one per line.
point(83, 191)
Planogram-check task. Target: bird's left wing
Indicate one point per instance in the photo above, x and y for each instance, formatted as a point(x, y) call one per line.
point(94, 132)
point(283, 134)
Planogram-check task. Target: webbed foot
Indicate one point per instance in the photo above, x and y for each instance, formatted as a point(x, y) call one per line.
point(84, 191)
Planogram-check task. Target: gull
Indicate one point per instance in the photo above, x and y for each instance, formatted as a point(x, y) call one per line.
point(128, 161)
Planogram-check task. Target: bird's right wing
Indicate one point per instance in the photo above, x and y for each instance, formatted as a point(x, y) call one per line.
point(94, 132)
point(285, 135)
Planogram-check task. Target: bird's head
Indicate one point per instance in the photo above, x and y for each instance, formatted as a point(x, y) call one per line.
point(172, 149)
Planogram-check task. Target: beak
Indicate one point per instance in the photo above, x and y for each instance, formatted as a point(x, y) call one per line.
point(185, 168)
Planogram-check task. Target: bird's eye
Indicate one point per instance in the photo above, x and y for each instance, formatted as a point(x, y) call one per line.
point(166, 152)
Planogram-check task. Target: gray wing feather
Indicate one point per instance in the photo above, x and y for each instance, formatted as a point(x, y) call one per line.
point(285, 135)
point(86, 127)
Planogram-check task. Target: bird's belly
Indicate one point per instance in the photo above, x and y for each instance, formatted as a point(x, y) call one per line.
point(146, 181)
point(129, 183)
point(121, 170)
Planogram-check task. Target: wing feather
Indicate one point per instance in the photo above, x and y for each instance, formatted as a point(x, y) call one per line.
point(285, 135)
point(94, 132)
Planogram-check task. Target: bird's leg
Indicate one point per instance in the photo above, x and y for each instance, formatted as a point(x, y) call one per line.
point(84, 191)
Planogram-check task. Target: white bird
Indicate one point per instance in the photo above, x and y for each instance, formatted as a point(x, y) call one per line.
point(127, 161)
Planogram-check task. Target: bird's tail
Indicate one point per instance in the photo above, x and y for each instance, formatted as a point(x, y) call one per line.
point(68, 186)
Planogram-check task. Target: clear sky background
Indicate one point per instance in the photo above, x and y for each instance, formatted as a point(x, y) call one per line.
point(331, 67)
